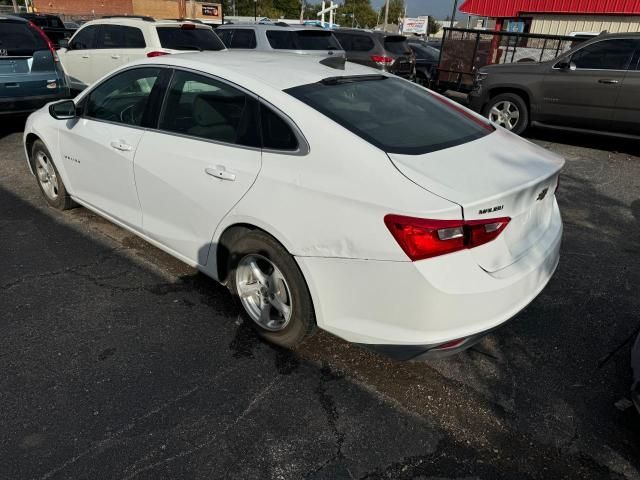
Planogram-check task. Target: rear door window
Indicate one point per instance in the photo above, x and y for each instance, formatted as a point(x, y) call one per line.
point(111, 36)
point(302, 40)
point(189, 38)
point(276, 132)
point(612, 54)
point(361, 43)
point(132, 37)
point(202, 107)
point(397, 45)
point(392, 114)
point(85, 38)
point(17, 39)
point(225, 35)
point(243, 38)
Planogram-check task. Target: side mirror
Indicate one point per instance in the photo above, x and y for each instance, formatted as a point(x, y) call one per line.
point(63, 43)
point(566, 65)
point(63, 110)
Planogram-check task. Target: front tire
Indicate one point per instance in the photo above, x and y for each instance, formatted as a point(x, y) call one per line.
point(509, 110)
point(49, 181)
point(271, 289)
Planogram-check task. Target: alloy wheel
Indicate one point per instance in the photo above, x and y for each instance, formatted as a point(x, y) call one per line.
point(47, 175)
point(264, 292)
point(505, 113)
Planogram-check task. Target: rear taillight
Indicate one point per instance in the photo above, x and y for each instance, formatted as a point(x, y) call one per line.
point(422, 238)
point(50, 45)
point(382, 60)
point(157, 54)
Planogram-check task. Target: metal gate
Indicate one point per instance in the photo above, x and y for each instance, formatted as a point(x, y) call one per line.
point(464, 51)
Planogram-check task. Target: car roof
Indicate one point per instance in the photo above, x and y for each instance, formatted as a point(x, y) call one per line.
point(13, 18)
point(370, 32)
point(260, 70)
point(270, 26)
point(138, 22)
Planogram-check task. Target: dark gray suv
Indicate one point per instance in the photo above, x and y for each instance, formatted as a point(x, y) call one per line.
point(377, 49)
point(593, 87)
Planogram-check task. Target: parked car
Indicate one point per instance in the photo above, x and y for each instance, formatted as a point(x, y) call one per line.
point(635, 367)
point(384, 51)
point(426, 62)
point(310, 197)
point(52, 25)
point(30, 73)
point(593, 88)
point(275, 38)
point(71, 25)
point(107, 43)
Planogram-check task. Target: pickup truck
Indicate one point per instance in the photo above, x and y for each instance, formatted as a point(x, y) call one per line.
point(52, 25)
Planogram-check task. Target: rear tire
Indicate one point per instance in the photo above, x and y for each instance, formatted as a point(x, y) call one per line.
point(509, 110)
point(49, 181)
point(271, 289)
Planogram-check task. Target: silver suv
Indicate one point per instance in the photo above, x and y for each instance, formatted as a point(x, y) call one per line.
point(274, 38)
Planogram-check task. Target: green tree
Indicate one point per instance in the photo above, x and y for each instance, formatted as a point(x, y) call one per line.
point(364, 14)
point(433, 27)
point(396, 11)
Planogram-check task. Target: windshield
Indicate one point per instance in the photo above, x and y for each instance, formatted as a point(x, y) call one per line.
point(176, 38)
point(302, 40)
point(392, 114)
point(18, 40)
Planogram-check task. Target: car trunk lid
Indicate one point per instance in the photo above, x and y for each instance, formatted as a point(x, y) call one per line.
point(496, 176)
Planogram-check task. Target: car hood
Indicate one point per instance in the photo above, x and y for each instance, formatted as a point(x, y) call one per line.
point(521, 68)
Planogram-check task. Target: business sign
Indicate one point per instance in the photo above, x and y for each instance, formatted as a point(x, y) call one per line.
point(415, 25)
point(210, 10)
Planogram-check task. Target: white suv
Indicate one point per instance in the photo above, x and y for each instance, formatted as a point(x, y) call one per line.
point(107, 43)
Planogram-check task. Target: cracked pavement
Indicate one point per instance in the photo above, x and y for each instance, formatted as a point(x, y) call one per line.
point(119, 362)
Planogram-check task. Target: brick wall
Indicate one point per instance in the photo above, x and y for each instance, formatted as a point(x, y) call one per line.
point(95, 8)
point(98, 8)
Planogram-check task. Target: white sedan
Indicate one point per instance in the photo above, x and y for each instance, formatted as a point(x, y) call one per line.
point(321, 194)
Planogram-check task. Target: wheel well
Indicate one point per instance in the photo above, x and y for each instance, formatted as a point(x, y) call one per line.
point(29, 141)
point(228, 237)
point(525, 96)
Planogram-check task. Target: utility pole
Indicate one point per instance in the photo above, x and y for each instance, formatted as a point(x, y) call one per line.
point(386, 14)
point(15, 6)
point(301, 11)
point(255, 10)
point(453, 14)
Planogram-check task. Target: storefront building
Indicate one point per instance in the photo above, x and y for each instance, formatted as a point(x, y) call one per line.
point(559, 17)
point(88, 9)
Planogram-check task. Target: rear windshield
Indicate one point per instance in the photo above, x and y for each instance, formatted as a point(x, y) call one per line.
point(392, 114)
point(397, 45)
point(302, 40)
point(177, 38)
point(17, 39)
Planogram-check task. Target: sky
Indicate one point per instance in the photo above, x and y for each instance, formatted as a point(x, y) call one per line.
point(436, 8)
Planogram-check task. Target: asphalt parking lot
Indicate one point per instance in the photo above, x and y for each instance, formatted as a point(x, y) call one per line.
point(119, 362)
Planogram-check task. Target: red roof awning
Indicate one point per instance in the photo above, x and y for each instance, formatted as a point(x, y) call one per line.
point(512, 8)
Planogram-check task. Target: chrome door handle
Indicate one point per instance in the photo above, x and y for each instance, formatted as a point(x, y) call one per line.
point(85, 56)
point(220, 172)
point(121, 146)
point(115, 57)
point(608, 81)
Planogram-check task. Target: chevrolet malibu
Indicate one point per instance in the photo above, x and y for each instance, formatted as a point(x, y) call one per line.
point(322, 194)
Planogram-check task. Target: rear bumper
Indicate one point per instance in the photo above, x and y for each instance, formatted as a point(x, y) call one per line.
point(16, 105)
point(408, 309)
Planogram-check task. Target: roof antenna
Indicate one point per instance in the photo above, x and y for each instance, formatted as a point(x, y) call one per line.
point(334, 62)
